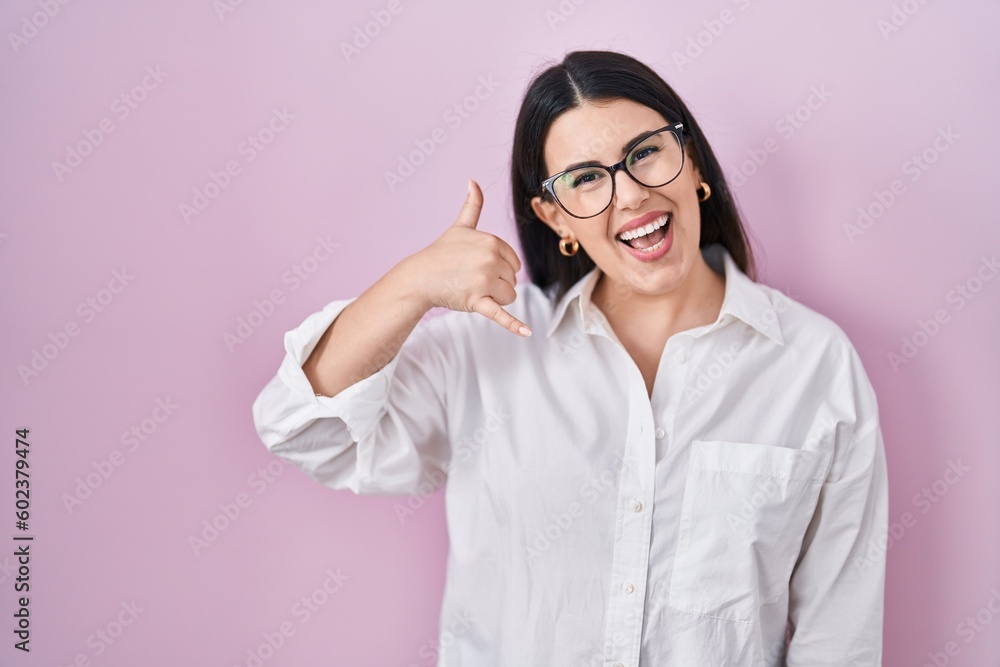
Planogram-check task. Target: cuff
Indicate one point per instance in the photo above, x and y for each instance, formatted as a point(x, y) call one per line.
point(359, 405)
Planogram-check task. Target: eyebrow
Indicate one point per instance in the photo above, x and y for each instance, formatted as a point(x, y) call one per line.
point(625, 147)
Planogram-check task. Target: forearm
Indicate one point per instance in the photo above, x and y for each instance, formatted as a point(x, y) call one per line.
point(369, 332)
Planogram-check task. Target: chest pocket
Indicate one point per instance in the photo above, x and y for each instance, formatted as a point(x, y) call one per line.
point(745, 510)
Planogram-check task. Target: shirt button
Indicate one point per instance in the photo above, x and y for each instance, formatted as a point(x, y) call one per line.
point(680, 358)
point(660, 433)
point(636, 505)
point(629, 588)
point(619, 664)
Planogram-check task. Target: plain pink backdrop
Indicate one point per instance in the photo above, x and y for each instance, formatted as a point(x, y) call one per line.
point(343, 122)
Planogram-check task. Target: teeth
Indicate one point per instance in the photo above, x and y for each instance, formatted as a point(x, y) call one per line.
point(643, 231)
point(654, 247)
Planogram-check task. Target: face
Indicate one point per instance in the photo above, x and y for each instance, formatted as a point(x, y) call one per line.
point(598, 132)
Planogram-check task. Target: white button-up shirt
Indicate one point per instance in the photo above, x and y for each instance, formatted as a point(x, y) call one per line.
point(592, 525)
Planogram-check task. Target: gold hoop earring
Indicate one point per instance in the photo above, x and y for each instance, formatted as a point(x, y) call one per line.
point(706, 192)
point(562, 246)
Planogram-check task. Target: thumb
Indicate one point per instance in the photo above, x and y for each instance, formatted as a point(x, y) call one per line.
point(469, 215)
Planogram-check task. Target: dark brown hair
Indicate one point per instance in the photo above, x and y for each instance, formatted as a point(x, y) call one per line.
point(600, 77)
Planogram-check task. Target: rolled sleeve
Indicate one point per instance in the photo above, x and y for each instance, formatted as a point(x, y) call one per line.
point(837, 587)
point(384, 434)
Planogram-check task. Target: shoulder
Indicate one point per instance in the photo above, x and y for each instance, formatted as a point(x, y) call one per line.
point(817, 345)
point(805, 329)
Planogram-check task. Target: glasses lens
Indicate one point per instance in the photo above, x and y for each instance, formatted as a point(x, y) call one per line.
point(654, 161)
point(583, 192)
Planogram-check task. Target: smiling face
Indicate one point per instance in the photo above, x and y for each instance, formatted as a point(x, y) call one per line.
point(597, 132)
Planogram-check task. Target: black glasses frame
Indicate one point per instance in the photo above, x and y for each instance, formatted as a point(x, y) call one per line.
point(678, 131)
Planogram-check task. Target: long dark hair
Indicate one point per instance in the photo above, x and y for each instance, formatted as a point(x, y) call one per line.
point(595, 77)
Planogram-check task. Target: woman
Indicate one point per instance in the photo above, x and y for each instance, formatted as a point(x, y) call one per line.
point(676, 465)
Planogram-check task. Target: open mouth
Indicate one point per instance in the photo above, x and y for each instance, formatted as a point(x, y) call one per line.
point(648, 238)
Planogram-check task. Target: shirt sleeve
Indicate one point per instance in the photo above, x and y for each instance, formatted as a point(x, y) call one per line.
point(384, 434)
point(837, 586)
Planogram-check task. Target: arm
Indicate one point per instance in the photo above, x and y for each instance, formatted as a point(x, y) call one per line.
point(368, 333)
point(359, 401)
point(837, 586)
point(381, 424)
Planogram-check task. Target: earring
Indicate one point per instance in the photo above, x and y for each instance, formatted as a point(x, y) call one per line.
point(706, 192)
point(562, 246)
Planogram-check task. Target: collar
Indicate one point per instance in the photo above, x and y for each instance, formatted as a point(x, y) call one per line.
point(744, 299)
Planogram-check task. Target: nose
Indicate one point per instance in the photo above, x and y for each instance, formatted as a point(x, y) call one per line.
point(628, 193)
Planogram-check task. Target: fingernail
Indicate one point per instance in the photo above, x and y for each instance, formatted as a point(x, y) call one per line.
point(525, 331)
point(469, 187)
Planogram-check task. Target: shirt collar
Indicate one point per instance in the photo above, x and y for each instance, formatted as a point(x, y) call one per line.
point(744, 299)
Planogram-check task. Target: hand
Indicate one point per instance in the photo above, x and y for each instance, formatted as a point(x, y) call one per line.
point(470, 270)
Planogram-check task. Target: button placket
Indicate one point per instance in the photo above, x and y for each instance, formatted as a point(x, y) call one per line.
point(631, 557)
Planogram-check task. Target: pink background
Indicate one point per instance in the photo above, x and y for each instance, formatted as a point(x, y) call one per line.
point(163, 335)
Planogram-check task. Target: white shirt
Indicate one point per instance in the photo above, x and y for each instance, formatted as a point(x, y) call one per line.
point(592, 525)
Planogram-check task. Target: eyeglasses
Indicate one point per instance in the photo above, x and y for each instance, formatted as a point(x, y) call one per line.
point(651, 161)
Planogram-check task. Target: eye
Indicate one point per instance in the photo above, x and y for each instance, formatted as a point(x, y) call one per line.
point(643, 153)
point(577, 179)
point(588, 177)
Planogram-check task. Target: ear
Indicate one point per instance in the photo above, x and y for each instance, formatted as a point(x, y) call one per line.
point(693, 161)
point(697, 175)
point(548, 212)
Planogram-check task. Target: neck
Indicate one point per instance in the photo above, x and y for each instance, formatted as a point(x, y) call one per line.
point(693, 303)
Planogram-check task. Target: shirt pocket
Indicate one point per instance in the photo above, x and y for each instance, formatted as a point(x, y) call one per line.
point(745, 510)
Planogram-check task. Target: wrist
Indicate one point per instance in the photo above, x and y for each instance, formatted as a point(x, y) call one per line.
point(408, 281)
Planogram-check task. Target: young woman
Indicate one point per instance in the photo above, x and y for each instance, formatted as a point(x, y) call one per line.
point(675, 466)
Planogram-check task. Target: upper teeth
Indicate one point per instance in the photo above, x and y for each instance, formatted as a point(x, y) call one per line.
point(648, 229)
